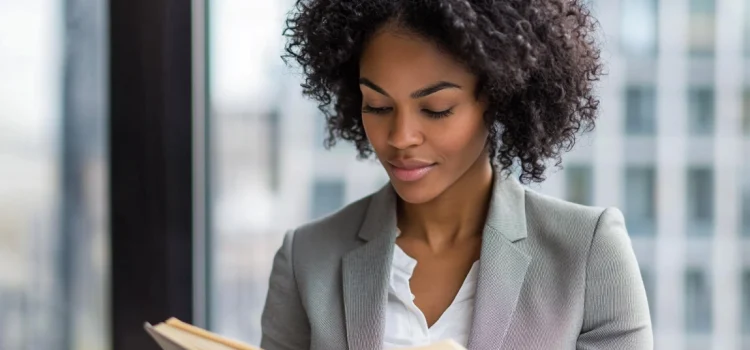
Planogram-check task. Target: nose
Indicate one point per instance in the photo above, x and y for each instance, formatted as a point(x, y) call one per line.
point(406, 131)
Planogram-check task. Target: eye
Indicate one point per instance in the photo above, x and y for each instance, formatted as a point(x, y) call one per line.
point(376, 110)
point(438, 115)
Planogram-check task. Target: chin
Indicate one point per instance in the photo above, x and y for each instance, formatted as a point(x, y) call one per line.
point(415, 193)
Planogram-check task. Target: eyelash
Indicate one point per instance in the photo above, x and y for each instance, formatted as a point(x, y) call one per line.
point(431, 114)
point(375, 110)
point(438, 115)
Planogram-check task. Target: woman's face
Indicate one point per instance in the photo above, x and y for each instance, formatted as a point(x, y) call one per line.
point(421, 115)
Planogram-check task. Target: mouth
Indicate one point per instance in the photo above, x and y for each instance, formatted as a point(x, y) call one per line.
point(410, 170)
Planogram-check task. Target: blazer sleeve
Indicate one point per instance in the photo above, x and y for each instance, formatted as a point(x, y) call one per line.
point(284, 322)
point(616, 314)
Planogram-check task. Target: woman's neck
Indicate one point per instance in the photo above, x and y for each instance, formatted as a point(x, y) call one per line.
point(456, 214)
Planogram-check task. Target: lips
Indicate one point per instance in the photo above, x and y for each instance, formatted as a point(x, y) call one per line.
point(409, 170)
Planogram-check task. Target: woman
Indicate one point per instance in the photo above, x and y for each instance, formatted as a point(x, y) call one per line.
point(449, 95)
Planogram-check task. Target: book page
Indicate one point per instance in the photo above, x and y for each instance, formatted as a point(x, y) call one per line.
point(233, 344)
point(189, 341)
point(164, 342)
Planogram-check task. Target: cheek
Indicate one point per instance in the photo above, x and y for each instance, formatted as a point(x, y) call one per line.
point(463, 137)
point(376, 132)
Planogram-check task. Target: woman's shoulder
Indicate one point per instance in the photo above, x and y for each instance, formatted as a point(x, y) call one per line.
point(574, 224)
point(555, 208)
point(340, 226)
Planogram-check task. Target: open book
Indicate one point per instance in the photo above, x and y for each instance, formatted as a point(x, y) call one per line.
point(174, 334)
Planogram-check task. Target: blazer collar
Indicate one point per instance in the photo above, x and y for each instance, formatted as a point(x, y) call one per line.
point(507, 211)
point(366, 270)
point(380, 217)
point(506, 215)
point(502, 267)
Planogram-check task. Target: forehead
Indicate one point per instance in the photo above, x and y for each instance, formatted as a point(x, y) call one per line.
point(397, 59)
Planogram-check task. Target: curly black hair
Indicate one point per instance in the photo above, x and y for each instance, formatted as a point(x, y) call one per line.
point(536, 62)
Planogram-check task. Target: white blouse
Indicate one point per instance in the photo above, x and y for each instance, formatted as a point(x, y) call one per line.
point(406, 326)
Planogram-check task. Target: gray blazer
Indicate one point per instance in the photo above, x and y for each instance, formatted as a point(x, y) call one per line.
point(552, 275)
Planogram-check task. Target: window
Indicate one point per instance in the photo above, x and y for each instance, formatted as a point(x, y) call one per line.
point(698, 302)
point(54, 264)
point(640, 200)
point(702, 28)
point(328, 196)
point(639, 27)
point(640, 108)
point(579, 184)
point(700, 201)
point(701, 111)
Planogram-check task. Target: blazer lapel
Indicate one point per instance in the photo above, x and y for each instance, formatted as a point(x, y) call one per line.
point(502, 265)
point(366, 270)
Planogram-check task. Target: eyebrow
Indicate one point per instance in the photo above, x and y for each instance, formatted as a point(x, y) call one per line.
point(441, 85)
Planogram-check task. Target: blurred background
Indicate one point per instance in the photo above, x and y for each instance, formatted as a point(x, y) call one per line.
point(671, 149)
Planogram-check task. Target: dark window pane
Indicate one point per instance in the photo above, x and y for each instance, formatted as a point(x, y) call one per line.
point(698, 317)
point(579, 184)
point(328, 196)
point(639, 27)
point(702, 27)
point(640, 108)
point(701, 111)
point(640, 200)
point(700, 201)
